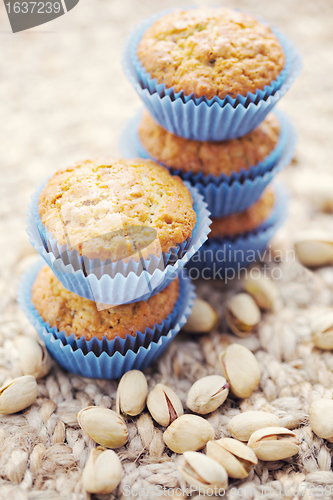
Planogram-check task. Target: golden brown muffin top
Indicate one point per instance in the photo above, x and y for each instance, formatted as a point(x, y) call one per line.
point(110, 209)
point(243, 222)
point(214, 158)
point(211, 52)
point(73, 314)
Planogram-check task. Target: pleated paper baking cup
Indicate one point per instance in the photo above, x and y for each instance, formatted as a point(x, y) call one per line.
point(119, 282)
point(223, 257)
point(107, 359)
point(225, 195)
point(202, 119)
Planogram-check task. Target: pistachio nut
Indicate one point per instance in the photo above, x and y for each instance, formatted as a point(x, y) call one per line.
point(34, 358)
point(207, 394)
point(274, 443)
point(203, 318)
point(243, 425)
point(322, 331)
point(203, 472)
point(103, 471)
point(188, 433)
point(132, 393)
point(18, 394)
point(262, 289)
point(242, 314)
point(321, 418)
point(237, 458)
point(104, 426)
point(164, 405)
point(314, 248)
point(241, 370)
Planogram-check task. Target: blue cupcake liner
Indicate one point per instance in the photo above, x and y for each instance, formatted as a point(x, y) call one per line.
point(226, 195)
point(107, 359)
point(219, 255)
point(153, 86)
point(204, 120)
point(119, 282)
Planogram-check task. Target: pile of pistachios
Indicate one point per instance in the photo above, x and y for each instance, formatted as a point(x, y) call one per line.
point(254, 435)
point(35, 363)
point(187, 433)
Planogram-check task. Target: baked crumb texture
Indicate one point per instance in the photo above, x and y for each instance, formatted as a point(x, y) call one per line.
point(211, 52)
point(114, 209)
point(214, 158)
point(246, 221)
point(73, 314)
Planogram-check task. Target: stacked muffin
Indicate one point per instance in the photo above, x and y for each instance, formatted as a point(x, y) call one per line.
point(115, 235)
point(209, 78)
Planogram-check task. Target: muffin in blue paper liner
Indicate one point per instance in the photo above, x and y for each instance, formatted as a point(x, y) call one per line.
point(107, 359)
point(202, 119)
point(131, 146)
point(120, 282)
point(226, 195)
point(219, 255)
point(153, 85)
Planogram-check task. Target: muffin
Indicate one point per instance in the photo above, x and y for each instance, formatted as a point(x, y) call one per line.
point(102, 344)
point(71, 313)
point(207, 158)
point(246, 221)
point(211, 52)
point(237, 241)
point(115, 209)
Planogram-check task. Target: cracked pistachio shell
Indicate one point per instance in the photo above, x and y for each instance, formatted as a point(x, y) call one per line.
point(241, 369)
point(164, 405)
point(103, 471)
point(34, 358)
point(274, 443)
point(242, 314)
point(18, 394)
point(188, 433)
point(201, 471)
point(243, 425)
point(321, 418)
point(322, 331)
point(237, 458)
point(203, 318)
point(314, 248)
point(104, 426)
point(262, 289)
point(132, 393)
point(207, 394)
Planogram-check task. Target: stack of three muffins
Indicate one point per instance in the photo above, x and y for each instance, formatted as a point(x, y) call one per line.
point(209, 78)
point(113, 295)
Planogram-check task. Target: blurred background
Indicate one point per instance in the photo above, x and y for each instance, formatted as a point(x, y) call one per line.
point(64, 98)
